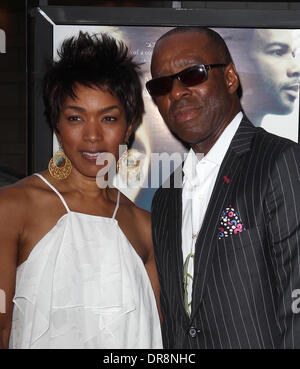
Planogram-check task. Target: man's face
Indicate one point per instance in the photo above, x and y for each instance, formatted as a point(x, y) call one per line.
point(273, 54)
point(196, 114)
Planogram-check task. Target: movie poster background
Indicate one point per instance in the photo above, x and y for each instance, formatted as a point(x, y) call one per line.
point(153, 135)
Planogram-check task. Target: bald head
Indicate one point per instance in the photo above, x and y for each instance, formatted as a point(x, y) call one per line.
point(198, 110)
point(211, 37)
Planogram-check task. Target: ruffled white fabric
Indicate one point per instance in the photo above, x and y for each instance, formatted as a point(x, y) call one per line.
point(84, 286)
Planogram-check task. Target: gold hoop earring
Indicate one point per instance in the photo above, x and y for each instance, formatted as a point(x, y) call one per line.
point(59, 166)
point(129, 165)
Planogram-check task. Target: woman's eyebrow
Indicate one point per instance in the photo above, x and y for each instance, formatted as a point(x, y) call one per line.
point(103, 110)
point(74, 107)
point(108, 108)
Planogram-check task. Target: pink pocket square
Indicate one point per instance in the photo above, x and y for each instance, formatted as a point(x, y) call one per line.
point(230, 223)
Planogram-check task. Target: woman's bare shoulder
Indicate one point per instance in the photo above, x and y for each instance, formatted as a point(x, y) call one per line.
point(140, 219)
point(21, 192)
point(140, 215)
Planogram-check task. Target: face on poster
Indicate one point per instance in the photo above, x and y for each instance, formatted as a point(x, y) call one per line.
point(268, 64)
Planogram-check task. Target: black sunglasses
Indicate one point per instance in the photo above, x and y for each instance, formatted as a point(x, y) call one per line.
point(188, 77)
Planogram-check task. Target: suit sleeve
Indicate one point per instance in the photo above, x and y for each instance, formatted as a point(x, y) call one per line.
point(283, 209)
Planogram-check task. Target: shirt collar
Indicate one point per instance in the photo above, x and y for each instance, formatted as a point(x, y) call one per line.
point(190, 164)
point(217, 153)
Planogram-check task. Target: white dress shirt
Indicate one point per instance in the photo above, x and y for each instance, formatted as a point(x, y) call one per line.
point(200, 173)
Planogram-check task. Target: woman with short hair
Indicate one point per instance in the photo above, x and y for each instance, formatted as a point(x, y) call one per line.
point(76, 259)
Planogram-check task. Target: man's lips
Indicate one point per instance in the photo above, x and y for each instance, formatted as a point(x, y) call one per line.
point(292, 90)
point(185, 114)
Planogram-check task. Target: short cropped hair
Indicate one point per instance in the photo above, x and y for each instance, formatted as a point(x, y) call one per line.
point(93, 60)
point(218, 42)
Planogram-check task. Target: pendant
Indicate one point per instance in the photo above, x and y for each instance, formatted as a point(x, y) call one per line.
point(194, 235)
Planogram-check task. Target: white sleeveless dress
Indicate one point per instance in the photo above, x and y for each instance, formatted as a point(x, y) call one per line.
point(84, 286)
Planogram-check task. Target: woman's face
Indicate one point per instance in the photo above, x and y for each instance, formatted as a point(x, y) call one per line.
point(94, 122)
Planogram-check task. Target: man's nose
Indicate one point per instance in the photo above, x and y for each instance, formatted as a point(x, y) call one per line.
point(294, 67)
point(178, 90)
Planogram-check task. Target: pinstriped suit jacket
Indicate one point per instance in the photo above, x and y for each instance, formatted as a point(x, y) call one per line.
point(242, 289)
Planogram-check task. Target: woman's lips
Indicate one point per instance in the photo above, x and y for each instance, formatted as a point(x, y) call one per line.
point(91, 156)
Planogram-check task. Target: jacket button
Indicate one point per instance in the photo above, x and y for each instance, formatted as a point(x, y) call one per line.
point(193, 332)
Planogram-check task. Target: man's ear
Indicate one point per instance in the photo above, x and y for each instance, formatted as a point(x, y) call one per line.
point(232, 78)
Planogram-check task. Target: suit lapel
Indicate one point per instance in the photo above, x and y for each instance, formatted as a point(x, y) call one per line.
point(207, 239)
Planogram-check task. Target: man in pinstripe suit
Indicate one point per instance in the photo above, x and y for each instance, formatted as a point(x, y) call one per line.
point(227, 242)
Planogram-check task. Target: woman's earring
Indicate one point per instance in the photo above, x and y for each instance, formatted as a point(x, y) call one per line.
point(60, 166)
point(129, 166)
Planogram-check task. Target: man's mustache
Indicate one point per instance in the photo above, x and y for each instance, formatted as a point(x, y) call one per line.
point(292, 85)
point(182, 103)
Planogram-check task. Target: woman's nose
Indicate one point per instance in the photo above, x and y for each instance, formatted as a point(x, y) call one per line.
point(93, 131)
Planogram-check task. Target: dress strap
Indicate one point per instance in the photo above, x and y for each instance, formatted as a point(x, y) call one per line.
point(117, 205)
point(55, 190)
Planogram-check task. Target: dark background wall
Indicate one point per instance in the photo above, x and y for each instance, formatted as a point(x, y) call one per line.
point(13, 92)
point(15, 133)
